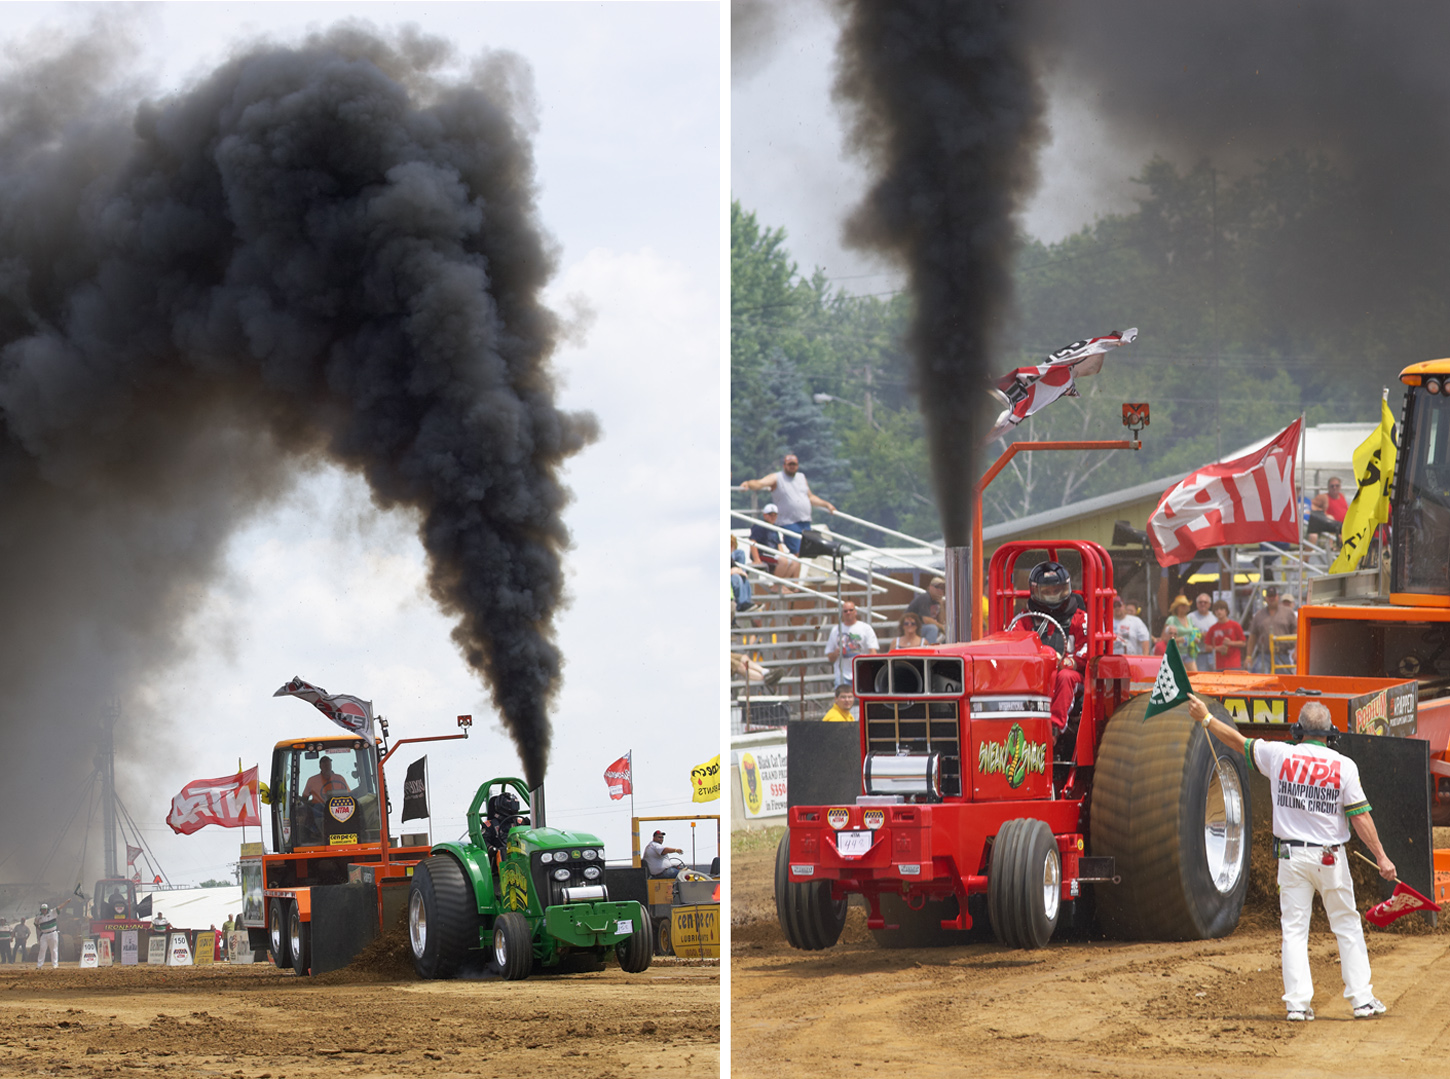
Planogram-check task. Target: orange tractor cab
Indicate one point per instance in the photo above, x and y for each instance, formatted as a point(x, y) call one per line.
point(334, 877)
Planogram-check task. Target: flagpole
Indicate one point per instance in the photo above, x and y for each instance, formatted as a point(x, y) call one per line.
point(1303, 448)
point(630, 755)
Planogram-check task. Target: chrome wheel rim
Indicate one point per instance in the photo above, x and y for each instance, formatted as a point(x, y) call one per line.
point(1051, 883)
point(500, 947)
point(1224, 827)
point(295, 925)
point(417, 925)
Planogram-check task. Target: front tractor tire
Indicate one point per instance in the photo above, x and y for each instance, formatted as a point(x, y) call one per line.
point(1024, 884)
point(1176, 823)
point(442, 917)
point(513, 947)
point(636, 951)
point(809, 917)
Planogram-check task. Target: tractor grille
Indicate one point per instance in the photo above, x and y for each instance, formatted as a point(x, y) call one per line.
point(918, 727)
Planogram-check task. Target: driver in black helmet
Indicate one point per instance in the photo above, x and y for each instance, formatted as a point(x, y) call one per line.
point(1050, 592)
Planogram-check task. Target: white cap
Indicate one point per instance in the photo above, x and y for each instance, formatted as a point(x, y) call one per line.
point(770, 507)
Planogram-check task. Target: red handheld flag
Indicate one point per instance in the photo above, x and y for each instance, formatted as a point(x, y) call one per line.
point(1404, 900)
point(620, 778)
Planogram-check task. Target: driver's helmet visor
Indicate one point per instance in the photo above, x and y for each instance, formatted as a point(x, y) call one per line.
point(1050, 593)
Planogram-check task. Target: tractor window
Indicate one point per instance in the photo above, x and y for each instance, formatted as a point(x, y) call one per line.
point(1422, 514)
point(327, 795)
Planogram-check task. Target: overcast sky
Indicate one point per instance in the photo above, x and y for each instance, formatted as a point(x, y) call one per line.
point(628, 156)
point(789, 166)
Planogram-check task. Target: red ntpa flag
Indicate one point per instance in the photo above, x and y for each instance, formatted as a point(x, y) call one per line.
point(230, 801)
point(618, 776)
point(1247, 500)
point(1404, 900)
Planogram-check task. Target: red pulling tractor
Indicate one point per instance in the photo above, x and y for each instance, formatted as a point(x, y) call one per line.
point(966, 811)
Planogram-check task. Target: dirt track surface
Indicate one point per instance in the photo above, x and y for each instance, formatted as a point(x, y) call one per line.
point(255, 1021)
point(1101, 1008)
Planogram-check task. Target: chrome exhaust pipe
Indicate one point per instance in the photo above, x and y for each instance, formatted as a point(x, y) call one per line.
point(959, 598)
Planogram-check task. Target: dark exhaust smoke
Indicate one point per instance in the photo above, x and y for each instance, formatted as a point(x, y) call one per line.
point(945, 109)
point(326, 253)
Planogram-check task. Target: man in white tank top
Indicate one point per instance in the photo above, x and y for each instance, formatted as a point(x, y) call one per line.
point(794, 497)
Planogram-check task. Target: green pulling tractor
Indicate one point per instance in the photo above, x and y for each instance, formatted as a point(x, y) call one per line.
point(519, 896)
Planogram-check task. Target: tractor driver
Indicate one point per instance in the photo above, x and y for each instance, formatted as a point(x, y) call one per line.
point(1050, 592)
point(324, 785)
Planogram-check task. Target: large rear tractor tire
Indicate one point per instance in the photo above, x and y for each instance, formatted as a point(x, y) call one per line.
point(809, 917)
point(299, 941)
point(277, 938)
point(442, 917)
point(1171, 806)
point(513, 947)
point(1024, 884)
point(636, 951)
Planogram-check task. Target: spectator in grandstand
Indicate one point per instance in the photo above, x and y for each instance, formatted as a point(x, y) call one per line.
point(739, 579)
point(1225, 640)
point(794, 496)
point(1336, 504)
point(1177, 627)
point(749, 671)
point(1133, 636)
point(1203, 620)
point(910, 632)
point(840, 710)
point(1273, 621)
point(930, 608)
point(770, 548)
point(850, 637)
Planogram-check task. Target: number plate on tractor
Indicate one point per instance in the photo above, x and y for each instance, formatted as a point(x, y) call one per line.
point(853, 844)
point(624, 925)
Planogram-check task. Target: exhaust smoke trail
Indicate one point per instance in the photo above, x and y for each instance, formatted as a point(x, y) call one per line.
point(322, 253)
point(943, 105)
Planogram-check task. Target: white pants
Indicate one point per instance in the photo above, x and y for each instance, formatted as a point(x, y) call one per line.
point(51, 941)
point(1300, 876)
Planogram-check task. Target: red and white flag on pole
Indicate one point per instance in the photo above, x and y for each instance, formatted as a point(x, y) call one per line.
point(230, 801)
point(350, 713)
point(619, 777)
point(1404, 900)
point(1247, 500)
point(1031, 389)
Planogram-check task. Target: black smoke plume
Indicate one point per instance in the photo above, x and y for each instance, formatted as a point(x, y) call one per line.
point(1235, 82)
point(322, 253)
point(945, 108)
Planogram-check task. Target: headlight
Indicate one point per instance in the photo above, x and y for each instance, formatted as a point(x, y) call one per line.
point(561, 873)
point(590, 855)
point(591, 873)
point(546, 857)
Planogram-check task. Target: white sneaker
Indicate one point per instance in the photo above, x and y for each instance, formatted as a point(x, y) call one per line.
point(1369, 1009)
point(1304, 1014)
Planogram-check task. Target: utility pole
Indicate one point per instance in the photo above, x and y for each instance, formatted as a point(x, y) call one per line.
point(106, 766)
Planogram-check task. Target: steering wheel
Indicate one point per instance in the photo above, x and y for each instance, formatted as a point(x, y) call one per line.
point(1044, 616)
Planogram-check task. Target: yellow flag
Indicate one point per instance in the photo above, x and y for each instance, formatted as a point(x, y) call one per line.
point(1374, 471)
point(706, 780)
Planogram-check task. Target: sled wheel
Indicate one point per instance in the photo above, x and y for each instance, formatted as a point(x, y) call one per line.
point(277, 933)
point(299, 941)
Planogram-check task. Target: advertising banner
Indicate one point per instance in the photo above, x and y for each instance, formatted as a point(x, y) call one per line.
point(130, 949)
point(762, 782)
point(156, 951)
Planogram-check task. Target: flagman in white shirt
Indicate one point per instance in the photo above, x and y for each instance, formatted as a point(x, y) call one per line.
point(1317, 796)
